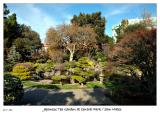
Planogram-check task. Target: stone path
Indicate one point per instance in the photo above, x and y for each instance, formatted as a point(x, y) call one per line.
point(65, 97)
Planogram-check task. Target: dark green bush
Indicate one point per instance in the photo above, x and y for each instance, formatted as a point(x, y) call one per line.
point(13, 89)
point(100, 57)
point(8, 67)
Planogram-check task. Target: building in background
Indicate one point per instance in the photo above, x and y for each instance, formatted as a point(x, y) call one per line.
point(134, 21)
point(46, 46)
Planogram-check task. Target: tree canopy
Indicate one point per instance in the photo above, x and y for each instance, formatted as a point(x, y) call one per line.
point(21, 36)
point(120, 29)
point(96, 21)
point(72, 38)
point(139, 48)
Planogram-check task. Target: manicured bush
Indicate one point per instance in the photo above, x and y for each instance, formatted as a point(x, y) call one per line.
point(13, 89)
point(44, 70)
point(95, 85)
point(49, 66)
point(85, 62)
point(87, 73)
point(56, 78)
point(38, 68)
point(28, 65)
point(59, 78)
point(69, 67)
point(84, 68)
point(21, 72)
point(44, 67)
point(79, 79)
point(77, 71)
point(70, 64)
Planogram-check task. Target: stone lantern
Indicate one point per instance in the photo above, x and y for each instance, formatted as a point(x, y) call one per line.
point(101, 76)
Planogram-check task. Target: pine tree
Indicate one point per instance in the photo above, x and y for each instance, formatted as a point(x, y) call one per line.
point(13, 55)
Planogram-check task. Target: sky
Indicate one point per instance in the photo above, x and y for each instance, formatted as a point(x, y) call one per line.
point(43, 16)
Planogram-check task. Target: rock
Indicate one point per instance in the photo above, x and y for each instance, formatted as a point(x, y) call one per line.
point(72, 81)
point(139, 74)
point(129, 74)
point(47, 75)
point(46, 81)
point(82, 84)
point(57, 73)
point(52, 73)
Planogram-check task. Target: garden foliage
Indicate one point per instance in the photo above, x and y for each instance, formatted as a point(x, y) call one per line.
point(23, 71)
point(13, 89)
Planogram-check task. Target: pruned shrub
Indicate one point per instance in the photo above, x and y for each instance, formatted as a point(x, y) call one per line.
point(56, 78)
point(59, 78)
point(28, 65)
point(84, 68)
point(13, 89)
point(21, 72)
point(44, 67)
point(70, 64)
point(78, 78)
point(44, 70)
point(87, 74)
point(85, 62)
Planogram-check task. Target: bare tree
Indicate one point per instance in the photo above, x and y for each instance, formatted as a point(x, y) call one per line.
point(55, 50)
point(72, 37)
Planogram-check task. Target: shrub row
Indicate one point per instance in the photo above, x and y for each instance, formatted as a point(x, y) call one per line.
point(84, 67)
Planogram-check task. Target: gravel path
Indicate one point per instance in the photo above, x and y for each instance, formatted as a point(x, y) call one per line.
point(65, 97)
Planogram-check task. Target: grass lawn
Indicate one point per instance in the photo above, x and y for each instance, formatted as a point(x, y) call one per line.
point(104, 85)
point(32, 84)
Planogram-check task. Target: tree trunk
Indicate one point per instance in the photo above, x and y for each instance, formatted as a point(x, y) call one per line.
point(71, 56)
point(81, 84)
point(71, 50)
point(101, 80)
